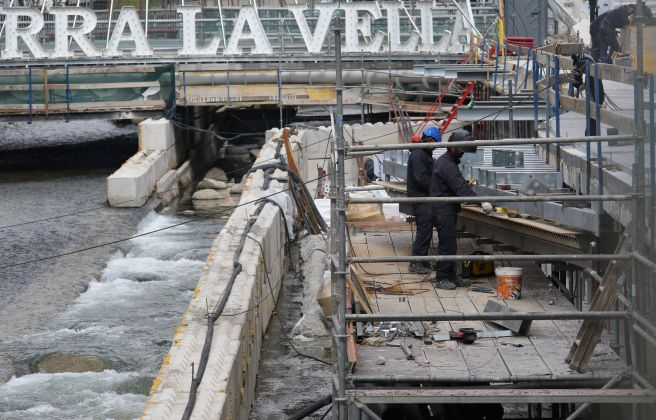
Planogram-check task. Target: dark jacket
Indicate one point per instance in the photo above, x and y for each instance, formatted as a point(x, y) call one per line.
point(420, 165)
point(447, 181)
point(613, 19)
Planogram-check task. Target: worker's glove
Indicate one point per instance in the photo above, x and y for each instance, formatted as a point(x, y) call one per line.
point(488, 208)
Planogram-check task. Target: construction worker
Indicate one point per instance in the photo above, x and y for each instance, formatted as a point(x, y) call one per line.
point(603, 31)
point(420, 166)
point(447, 181)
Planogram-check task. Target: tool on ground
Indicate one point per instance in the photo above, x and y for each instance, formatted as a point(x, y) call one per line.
point(407, 352)
point(517, 325)
point(470, 335)
point(481, 289)
point(477, 268)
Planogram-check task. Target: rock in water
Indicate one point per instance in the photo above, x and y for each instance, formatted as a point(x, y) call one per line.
point(209, 183)
point(206, 194)
point(69, 362)
point(216, 174)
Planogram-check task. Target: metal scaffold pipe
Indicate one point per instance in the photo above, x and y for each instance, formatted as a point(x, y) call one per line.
point(489, 316)
point(481, 143)
point(492, 198)
point(477, 257)
point(339, 272)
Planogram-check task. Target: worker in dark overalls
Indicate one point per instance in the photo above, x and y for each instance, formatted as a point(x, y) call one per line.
point(447, 181)
point(420, 165)
point(603, 32)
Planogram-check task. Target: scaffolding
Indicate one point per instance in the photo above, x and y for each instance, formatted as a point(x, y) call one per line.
point(630, 387)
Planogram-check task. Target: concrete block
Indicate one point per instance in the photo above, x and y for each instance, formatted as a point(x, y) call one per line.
point(132, 183)
point(167, 182)
point(156, 134)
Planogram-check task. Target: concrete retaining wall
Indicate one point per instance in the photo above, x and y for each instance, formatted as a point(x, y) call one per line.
point(227, 390)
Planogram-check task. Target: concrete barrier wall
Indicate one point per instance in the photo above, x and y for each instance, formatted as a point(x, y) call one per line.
point(316, 143)
point(227, 390)
point(133, 183)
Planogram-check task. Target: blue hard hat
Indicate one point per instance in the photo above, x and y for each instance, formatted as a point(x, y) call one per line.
point(434, 133)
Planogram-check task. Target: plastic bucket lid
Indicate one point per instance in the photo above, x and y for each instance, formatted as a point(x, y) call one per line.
point(508, 271)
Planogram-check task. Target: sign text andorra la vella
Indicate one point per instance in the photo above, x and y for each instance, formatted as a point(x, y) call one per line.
point(23, 23)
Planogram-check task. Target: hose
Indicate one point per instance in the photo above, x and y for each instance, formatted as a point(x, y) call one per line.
point(309, 409)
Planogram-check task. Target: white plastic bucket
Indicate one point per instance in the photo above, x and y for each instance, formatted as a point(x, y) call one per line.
point(509, 282)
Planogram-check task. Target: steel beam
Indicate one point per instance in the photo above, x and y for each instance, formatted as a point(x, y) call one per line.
point(500, 142)
point(489, 316)
point(492, 198)
point(501, 396)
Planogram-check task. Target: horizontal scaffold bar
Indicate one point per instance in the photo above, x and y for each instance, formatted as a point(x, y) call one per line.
point(501, 142)
point(493, 198)
point(500, 396)
point(575, 377)
point(526, 257)
point(488, 316)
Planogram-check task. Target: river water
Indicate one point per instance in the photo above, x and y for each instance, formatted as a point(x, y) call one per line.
point(114, 305)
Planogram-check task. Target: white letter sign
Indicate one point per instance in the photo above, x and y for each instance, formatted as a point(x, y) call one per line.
point(27, 34)
point(353, 25)
point(129, 18)
point(189, 46)
point(314, 43)
point(394, 29)
point(248, 14)
point(63, 31)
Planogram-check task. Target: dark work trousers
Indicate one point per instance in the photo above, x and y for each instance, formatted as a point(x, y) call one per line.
point(424, 229)
point(445, 223)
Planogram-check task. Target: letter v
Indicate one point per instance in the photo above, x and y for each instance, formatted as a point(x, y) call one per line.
point(314, 42)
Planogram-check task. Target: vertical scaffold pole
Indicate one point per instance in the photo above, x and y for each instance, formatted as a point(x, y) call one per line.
point(528, 65)
point(557, 91)
point(519, 56)
point(340, 202)
point(652, 162)
point(547, 91)
point(536, 98)
point(511, 119)
point(588, 126)
point(638, 280)
point(496, 63)
point(600, 165)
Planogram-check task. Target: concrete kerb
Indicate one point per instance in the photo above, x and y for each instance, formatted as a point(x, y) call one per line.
point(226, 390)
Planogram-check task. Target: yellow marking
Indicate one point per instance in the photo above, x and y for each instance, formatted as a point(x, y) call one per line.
point(196, 292)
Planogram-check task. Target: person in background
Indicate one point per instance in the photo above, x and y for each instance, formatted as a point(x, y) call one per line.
point(420, 166)
point(447, 181)
point(603, 31)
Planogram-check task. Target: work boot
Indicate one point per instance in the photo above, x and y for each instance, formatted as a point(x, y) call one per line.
point(444, 284)
point(418, 268)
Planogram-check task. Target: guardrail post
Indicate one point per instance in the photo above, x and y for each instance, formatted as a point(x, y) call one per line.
point(29, 94)
point(68, 95)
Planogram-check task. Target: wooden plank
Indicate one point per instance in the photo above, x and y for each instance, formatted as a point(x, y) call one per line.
point(18, 71)
point(484, 361)
point(446, 361)
point(395, 361)
point(524, 361)
point(622, 122)
point(604, 300)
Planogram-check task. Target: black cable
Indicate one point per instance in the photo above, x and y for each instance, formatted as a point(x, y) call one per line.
point(131, 200)
point(202, 217)
point(309, 409)
point(326, 413)
point(282, 326)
